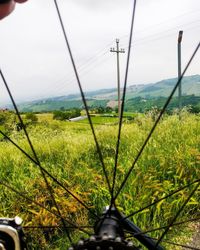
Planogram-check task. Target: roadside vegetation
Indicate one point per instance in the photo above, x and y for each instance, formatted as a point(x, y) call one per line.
point(67, 150)
point(66, 114)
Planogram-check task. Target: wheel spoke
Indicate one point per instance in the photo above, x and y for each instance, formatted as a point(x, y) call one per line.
point(55, 227)
point(178, 213)
point(49, 174)
point(163, 198)
point(83, 96)
point(49, 188)
point(19, 116)
point(156, 122)
point(112, 202)
point(180, 245)
point(164, 227)
point(171, 243)
point(40, 205)
point(123, 100)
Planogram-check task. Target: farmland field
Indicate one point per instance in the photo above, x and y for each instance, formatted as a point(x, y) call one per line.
point(67, 150)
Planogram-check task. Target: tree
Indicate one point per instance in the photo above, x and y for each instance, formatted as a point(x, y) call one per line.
point(59, 115)
point(108, 110)
point(100, 110)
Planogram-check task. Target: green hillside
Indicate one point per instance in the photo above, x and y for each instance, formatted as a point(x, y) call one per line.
point(149, 95)
point(190, 86)
point(140, 104)
point(50, 105)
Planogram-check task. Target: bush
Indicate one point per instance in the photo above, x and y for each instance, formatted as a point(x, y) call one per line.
point(7, 120)
point(65, 115)
point(31, 117)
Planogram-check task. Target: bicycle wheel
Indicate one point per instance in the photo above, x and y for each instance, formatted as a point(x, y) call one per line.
point(72, 197)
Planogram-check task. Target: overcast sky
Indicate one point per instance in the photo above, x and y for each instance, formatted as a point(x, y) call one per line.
point(36, 64)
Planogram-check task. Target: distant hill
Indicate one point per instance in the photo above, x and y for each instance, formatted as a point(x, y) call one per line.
point(190, 86)
point(161, 89)
point(57, 104)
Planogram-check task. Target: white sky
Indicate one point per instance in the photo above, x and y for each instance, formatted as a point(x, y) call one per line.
point(36, 64)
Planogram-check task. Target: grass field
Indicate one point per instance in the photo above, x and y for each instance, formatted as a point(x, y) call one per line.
point(67, 150)
point(96, 119)
point(45, 117)
point(101, 120)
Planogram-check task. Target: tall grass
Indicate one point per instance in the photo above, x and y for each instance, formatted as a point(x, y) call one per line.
point(68, 152)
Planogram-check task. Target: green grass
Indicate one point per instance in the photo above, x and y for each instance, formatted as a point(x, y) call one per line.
point(130, 114)
point(107, 119)
point(45, 117)
point(101, 120)
point(67, 150)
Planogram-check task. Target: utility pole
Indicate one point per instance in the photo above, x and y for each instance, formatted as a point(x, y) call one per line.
point(179, 69)
point(117, 50)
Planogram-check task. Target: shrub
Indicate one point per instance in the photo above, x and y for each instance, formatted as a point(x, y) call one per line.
point(31, 117)
point(65, 115)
